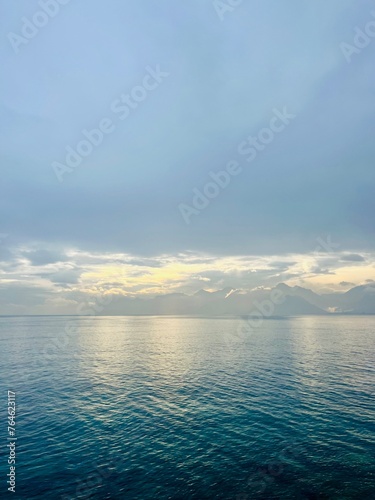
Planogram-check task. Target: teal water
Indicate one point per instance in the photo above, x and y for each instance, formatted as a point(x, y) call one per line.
point(185, 408)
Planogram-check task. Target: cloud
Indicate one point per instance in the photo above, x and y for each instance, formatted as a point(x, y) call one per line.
point(353, 257)
point(42, 257)
point(319, 270)
point(144, 263)
point(69, 276)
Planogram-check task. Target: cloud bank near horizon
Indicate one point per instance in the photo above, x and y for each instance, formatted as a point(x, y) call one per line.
point(48, 281)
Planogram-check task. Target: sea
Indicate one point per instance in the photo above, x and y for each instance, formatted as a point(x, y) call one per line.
point(147, 407)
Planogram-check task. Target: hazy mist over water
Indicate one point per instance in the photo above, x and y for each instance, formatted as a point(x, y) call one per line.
point(152, 407)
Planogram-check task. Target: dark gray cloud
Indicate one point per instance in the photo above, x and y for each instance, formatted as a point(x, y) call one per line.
point(347, 284)
point(68, 276)
point(144, 262)
point(317, 270)
point(42, 257)
point(353, 257)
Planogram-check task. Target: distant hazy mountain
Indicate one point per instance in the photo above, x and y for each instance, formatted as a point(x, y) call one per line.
point(358, 300)
point(291, 301)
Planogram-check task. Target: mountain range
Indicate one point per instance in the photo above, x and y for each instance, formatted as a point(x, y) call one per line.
point(292, 301)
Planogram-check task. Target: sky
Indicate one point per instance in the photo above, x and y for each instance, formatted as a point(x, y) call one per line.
point(158, 147)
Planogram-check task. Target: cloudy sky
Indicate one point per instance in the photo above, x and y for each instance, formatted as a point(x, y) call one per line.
point(172, 94)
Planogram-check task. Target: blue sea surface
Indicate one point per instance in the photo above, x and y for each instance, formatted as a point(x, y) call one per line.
point(188, 408)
